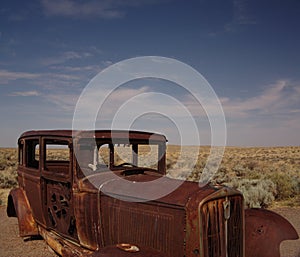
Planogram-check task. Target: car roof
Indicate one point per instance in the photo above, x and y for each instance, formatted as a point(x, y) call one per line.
point(101, 134)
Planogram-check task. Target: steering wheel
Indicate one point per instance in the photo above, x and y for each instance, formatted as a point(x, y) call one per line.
point(124, 164)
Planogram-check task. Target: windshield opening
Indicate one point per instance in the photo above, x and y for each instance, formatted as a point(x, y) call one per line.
point(107, 155)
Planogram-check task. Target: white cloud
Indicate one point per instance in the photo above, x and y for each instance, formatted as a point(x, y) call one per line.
point(106, 101)
point(25, 93)
point(7, 76)
point(65, 57)
point(42, 84)
point(270, 118)
point(92, 68)
point(65, 102)
point(276, 98)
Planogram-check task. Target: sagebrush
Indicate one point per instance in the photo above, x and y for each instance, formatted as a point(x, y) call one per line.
point(262, 174)
point(8, 167)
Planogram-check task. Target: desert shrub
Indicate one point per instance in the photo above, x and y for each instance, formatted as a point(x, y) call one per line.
point(8, 167)
point(222, 176)
point(249, 170)
point(9, 155)
point(257, 193)
point(239, 170)
point(196, 171)
point(251, 165)
point(287, 185)
point(296, 184)
point(8, 178)
point(254, 174)
point(2, 164)
point(8, 158)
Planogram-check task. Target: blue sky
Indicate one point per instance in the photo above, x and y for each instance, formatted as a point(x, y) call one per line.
point(249, 51)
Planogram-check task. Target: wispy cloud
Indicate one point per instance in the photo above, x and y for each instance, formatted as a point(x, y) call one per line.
point(7, 76)
point(25, 93)
point(88, 68)
point(279, 97)
point(65, 57)
point(270, 118)
point(43, 83)
point(65, 102)
point(107, 9)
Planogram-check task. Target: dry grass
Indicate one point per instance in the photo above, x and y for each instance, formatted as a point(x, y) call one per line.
point(8, 167)
point(265, 175)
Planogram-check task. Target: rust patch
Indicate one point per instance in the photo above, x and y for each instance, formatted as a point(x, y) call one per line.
point(18, 207)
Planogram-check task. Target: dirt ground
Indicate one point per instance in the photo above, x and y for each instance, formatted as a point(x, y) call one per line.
point(11, 245)
point(290, 248)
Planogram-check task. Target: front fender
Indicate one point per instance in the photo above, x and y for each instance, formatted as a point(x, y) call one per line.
point(264, 231)
point(18, 206)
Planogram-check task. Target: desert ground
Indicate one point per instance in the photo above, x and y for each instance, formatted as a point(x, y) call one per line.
point(14, 246)
point(269, 177)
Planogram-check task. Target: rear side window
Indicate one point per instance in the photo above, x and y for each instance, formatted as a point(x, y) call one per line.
point(32, 153)
point(57, 156)
point(21, 153)
point(57, 152)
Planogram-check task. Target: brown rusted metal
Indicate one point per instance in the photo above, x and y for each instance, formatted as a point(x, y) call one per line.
point(221, 225)
point(92, 210)
point(264, 232)
point(145, 224)
point(114, 250)
point(18, 207)
point(101, 134)
point(65, 248)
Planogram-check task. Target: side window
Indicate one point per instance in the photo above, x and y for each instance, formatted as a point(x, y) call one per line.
point(21, 153)
point(57, 156)
point(32, 153)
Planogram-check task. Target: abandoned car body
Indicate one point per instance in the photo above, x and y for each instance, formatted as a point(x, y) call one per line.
point(78, 201)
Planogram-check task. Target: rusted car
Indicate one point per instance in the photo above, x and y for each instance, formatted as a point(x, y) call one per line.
point(100, 195)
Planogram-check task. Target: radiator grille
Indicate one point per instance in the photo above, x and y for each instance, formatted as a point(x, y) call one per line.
point(222, 227)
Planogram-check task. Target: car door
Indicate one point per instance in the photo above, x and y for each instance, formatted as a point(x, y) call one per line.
point(57, 184)
point(29, 176)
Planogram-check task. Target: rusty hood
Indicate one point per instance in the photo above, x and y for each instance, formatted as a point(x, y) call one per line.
point(148, 186)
